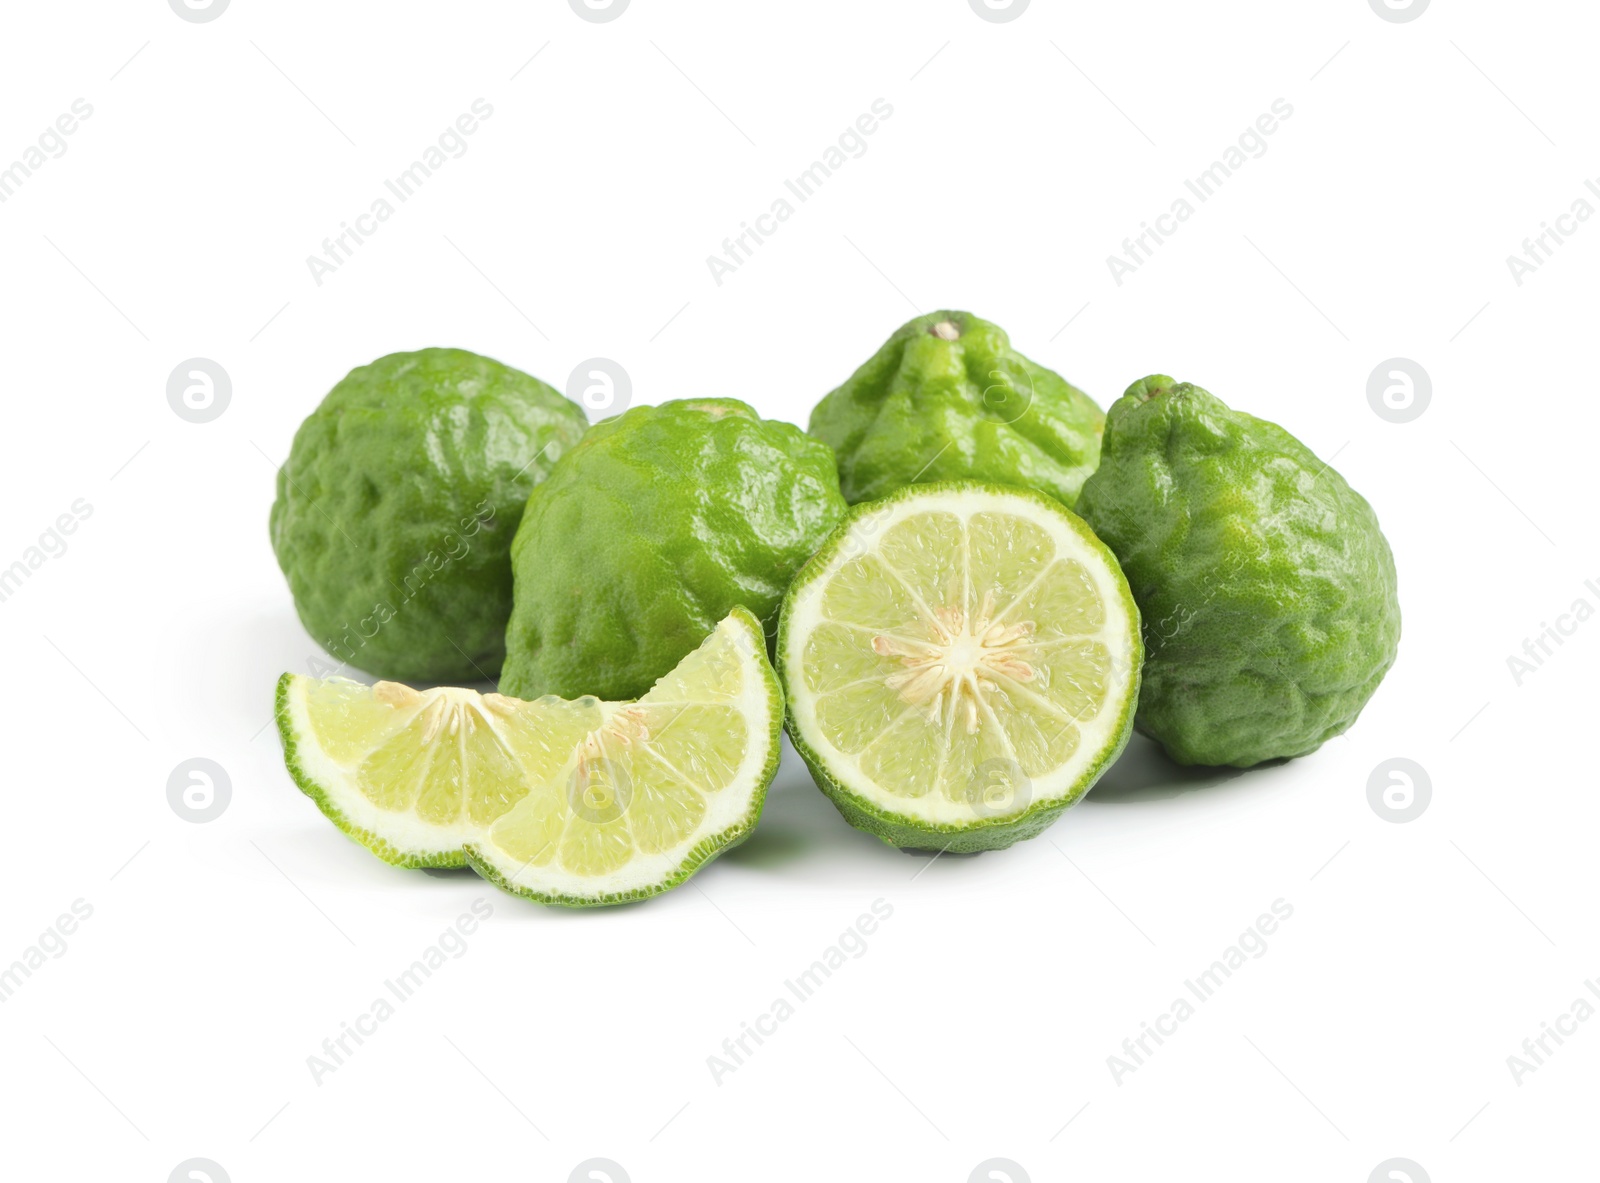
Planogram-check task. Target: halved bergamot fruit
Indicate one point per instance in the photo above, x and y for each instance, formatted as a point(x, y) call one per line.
point(961, 664)
point(577, 803)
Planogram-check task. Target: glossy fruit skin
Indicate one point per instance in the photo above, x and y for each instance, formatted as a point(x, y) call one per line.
point(649, 532)
point(396, 509)
point(947, 398)
point(1267, 590)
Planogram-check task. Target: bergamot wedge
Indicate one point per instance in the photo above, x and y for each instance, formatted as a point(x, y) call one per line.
point(575, 803)
point(961, 664)
point(948, 398)
point(1267, 588)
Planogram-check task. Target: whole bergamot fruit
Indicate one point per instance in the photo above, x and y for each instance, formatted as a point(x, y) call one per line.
point(648, 533)
point(1266, 588)
point(398, 503)
point(947, 398)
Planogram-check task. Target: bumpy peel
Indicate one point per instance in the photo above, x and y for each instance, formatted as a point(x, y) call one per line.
point(396, 508)
point(1268, 590)
point(648, 532)
point(948, 398)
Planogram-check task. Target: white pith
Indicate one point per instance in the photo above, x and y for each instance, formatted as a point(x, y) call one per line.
point(951, 675)
point(454, 709)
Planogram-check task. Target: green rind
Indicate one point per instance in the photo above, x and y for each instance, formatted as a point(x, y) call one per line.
point(908, 833)
point(699, 855)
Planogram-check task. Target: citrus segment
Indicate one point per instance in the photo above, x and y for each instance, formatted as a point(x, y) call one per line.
point(868, 593)
point(927, 553)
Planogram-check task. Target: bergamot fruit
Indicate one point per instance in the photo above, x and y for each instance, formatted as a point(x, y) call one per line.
point(648, 532)
point(1267, 588)
point(576, 803)
point(947, 398)
point(397, 506)
point(961, 664)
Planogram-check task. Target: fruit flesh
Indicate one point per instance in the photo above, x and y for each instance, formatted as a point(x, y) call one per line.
point(961, 662)
point(578, 802)
point(642, 783)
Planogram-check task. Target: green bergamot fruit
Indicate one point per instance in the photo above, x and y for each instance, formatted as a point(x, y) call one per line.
point(1267, 588)
point(397, 506)
point(649, 532)
point(947, 398)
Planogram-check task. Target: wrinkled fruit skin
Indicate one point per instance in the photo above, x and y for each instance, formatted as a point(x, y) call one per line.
point(947, 398)
point(649, 532)
point(397, 506)
point(1267, 588)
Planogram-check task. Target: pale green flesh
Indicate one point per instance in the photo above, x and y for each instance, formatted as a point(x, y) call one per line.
point(959, 660)
point(557, 799)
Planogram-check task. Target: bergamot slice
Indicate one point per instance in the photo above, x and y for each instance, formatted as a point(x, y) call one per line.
point(961, 663)
point(581, 802)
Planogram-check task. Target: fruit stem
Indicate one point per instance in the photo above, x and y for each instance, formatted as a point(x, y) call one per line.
point(1153, 387)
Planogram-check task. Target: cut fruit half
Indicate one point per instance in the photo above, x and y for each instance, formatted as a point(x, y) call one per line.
point(578, 803)
point(961, 664)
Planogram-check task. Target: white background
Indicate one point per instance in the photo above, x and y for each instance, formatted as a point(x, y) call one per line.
point(977, 1025)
